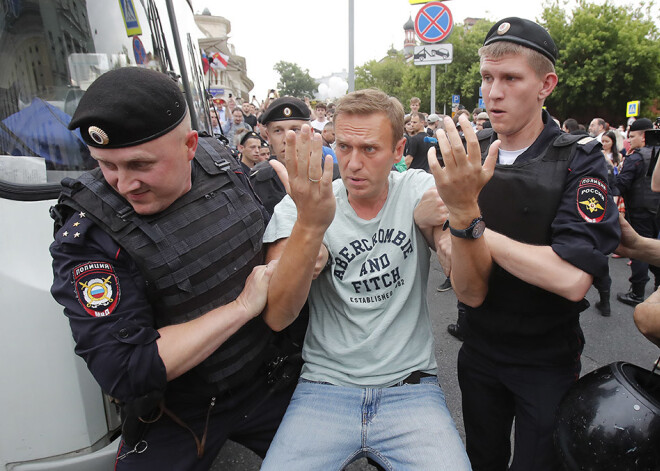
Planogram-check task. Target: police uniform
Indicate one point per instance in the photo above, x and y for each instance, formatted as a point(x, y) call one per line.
point(522, 346)
point(634, 184)
point(121, 276)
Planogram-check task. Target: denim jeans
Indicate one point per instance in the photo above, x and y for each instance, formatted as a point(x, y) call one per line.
point(406, 427)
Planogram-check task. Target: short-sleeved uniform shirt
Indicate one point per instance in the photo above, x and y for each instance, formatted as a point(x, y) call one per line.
point(369, 321)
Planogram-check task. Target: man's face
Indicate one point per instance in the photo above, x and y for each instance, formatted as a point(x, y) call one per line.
point(150, 176)
point(480, 124)
point(416, 124)
point(276, 132)
point(264, 152)
point(414, 107)
point(433, 126)
point(320, 112)
point(365, 155)
point(328, 134)
point(246, 108)
point(637, 139)
point(250, 152)
point(238, 116)
point(513, 93)
point(595, 128)
point(214, 118)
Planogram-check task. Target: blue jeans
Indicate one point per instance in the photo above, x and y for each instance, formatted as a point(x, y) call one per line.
point(406, 427)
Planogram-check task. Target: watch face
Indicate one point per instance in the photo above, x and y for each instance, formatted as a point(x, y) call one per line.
point(478, 229)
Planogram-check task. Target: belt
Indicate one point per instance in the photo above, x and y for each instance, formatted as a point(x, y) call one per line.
point(414, 378)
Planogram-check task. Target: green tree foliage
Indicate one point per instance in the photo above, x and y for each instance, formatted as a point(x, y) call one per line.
point(608, 55)
point(400, 78)
point(294, 81)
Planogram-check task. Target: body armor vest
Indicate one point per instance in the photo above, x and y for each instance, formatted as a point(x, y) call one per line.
point(521, 201)
point(640, 195)
point(195, 255)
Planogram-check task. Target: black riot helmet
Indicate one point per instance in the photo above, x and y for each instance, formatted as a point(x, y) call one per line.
point(610, 420)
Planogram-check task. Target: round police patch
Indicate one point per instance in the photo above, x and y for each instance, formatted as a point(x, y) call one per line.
point(592, 199)
point(97, 288)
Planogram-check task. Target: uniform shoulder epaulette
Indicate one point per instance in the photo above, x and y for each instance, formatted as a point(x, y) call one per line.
point(262, 171)
point(74, 229)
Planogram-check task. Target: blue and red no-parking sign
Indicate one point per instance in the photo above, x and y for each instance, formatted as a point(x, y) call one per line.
point(434, 22)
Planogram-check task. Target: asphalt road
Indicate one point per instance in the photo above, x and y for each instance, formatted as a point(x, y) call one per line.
point(608, 340)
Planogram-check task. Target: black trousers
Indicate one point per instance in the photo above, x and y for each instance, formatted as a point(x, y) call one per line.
point(247, 419)
point(494, 394)
point(645, 224)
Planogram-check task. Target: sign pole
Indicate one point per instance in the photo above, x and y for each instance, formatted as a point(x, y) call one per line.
point(444, 105)
point(433, 89)
point(351, 42)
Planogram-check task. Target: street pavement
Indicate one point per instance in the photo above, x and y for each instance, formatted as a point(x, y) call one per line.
point(608, 340)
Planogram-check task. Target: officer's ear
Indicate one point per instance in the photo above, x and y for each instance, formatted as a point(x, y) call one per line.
point(549, 83)
point(191, 144)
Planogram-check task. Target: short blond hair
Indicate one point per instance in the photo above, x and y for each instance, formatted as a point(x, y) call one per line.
point(372, 101)
point(537, 61)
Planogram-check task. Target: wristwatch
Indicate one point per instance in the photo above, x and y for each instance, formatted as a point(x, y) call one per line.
point(473, 231)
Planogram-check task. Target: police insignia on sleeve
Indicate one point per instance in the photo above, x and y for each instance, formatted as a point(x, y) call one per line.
point(97, 288)
point(592, 199)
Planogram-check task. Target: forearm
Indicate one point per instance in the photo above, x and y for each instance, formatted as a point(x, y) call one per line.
point(292, 279)
point(184, 346)
point(539, 266)
point(647, 250)
point(647, 318)
point(471, 262)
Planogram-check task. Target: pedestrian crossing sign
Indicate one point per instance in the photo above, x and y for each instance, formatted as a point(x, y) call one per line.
point(632, 108)
point(131, 21)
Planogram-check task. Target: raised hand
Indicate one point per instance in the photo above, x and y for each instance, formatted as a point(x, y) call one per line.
point(463, 176)
point(310, 178)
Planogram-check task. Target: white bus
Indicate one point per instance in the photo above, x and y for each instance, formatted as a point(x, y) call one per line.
point(54, 416)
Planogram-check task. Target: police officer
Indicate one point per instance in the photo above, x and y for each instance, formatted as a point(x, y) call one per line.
point(634, 183)
point(549, 224)
point(284, 114)
point(157, 262)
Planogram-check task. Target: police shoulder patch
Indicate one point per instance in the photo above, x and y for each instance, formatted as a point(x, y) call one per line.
point(592, 199)
point(97, 288)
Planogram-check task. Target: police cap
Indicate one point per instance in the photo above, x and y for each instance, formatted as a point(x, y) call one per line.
point(128, 106)
point(250, 135)
point(523, 32)
point(641, 124)
point(284, 109)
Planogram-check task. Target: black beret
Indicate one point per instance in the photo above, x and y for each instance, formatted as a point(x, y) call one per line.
point(128, 106)
point(284, 109)
point(641, 124)
point(523, 32)
point(250, 135)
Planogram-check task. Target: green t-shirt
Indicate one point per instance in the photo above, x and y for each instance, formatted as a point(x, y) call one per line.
point(369, 322)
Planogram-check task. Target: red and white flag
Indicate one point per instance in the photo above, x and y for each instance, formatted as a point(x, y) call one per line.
point(219, 60)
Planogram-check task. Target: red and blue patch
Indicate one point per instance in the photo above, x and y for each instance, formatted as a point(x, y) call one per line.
point(97, 288)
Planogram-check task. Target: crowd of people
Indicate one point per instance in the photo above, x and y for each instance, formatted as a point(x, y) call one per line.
point(272, 291)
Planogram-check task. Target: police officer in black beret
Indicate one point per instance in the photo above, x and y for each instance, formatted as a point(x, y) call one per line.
point(157, 261)
point(634, 183)
point(550, 222)
point(284, 114)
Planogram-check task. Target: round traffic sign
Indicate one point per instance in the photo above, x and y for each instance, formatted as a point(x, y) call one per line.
point(433, 22)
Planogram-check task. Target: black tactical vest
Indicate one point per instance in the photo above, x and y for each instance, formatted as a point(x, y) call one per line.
point(195, 255)
point(640, 195)
point(521, 202)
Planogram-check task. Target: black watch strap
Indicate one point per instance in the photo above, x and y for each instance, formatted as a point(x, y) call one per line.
point(473, 231)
